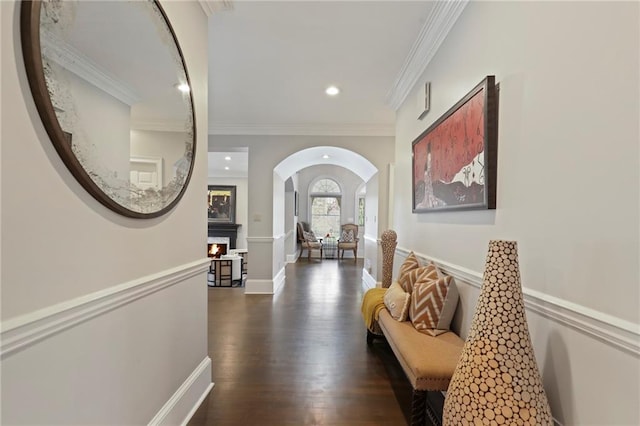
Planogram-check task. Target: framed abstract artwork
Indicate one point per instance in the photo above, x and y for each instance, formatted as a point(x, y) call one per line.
point(454, 160)
point(221, 202)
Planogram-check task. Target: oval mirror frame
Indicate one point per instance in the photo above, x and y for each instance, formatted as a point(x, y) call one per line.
point(31, 46)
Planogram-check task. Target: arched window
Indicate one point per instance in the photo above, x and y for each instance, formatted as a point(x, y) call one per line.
point(325, 207)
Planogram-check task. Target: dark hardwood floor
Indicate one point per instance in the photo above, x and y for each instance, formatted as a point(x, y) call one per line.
point(300, 357)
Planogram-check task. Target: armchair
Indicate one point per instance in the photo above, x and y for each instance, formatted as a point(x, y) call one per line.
point(348, 240)
point(308, 241)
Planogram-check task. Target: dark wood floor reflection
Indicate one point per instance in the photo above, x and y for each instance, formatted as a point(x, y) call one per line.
point(300, 357)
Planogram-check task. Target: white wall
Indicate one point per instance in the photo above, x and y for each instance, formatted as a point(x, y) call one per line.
point(567, 185)
point(373, 227)
point(100, 128)
point(125, 298)
point(289, 221)
point(241, 205)
point(169, 146)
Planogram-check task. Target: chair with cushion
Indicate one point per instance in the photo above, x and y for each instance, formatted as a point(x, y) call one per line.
point(308, 241)
point(348, 240)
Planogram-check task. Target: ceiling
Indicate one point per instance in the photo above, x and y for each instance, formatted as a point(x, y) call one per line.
point(270, 63)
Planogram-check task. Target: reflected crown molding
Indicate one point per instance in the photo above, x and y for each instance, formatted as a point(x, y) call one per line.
point(214, 6)
point(73, 60)
point(303, 129)
point(437, 25)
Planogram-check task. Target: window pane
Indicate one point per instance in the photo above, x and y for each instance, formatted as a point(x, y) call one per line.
point(325, 215)
point(361, 211)
point(326, 185)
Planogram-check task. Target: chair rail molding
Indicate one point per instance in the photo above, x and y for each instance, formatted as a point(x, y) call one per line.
point(615, 331)
point(25, 330)
point(261, 240)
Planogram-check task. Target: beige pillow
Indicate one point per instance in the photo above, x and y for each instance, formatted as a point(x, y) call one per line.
point(423, 273)
point(433, 304)
point(397, 301)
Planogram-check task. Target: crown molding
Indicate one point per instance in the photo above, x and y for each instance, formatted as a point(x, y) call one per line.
point(303, 129)
point(214, 6)
point(438, 24)
point(75, 61)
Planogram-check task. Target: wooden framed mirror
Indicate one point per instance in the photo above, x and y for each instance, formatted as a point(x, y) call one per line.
point(111, 86)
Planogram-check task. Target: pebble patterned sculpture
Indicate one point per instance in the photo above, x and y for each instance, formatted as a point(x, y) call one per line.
point(389, 240)
point(497, 380)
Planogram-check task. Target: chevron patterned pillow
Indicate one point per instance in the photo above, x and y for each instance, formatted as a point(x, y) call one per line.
point(423, 273)
point(411, 262)
point(433, 303)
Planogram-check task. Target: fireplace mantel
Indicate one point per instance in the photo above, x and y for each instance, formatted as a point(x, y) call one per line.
point(229, 230)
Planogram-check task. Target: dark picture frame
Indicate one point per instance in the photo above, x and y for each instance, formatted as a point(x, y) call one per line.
point(221, 204)
point(295, 203)
point(454, 161)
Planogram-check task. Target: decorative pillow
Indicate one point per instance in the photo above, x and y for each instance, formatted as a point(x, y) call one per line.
point(310, 236)
point(397, 301)
point(347, 236)
point(408, 280)
point(409, 264)
point(433, 303)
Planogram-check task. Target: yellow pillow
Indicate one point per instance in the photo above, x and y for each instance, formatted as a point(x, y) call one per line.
point(397, 301)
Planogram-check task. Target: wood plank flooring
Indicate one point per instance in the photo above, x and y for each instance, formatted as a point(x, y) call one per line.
point(300, 357)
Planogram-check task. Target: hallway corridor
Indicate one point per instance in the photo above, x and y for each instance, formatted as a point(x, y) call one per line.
point(300, 357)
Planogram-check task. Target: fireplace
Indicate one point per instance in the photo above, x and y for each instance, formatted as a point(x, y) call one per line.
point(217, 247)
point(224, 230)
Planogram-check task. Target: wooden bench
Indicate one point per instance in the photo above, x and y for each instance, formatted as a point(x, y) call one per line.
point(427, 361)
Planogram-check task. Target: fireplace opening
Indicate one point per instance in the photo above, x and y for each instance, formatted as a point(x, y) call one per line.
point(216, 250)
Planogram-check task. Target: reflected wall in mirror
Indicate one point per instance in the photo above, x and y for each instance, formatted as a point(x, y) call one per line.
point(112, 89)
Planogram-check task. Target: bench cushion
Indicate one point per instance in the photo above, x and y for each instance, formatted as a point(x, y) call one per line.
point(427, 361)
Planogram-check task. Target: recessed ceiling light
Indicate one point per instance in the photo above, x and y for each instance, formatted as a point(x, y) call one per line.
point(226, 167)
point(332, 91)
point(184, 87)
point(227, 158)
point(325, 156)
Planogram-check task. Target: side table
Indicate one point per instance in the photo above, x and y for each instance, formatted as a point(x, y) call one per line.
point(330, 247)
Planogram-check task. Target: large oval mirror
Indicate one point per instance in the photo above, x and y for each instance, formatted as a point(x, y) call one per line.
point(112, 89)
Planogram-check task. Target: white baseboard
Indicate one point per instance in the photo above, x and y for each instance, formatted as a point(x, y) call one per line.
point(265, 286)
point(368, 281)
point(182, 405)
point(258, 286)
point(25, 330)
point(278, 281)
point(292, 258)
point(604, 327)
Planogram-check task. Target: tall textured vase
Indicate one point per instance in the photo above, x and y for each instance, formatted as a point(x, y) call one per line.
point(497, 380)
point(388, 241)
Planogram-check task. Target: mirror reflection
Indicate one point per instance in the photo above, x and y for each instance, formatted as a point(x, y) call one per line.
point(120, 93)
